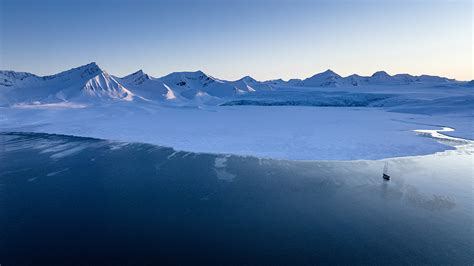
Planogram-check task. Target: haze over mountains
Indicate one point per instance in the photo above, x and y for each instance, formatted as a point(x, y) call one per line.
point(90, 83)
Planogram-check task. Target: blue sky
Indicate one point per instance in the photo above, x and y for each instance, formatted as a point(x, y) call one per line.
point(230, 39)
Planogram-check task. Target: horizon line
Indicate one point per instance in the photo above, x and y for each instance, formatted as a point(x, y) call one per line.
point(200, 70)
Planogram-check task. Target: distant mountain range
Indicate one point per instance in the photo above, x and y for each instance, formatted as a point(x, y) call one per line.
point(329, 78)
point(91, 83)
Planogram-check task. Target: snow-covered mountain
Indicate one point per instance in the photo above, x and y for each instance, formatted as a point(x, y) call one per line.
point(249, 84)
point(196, 84)
point(188, 86)
point(148, 87)
point(381, 77)
point(356, 80)
point(12, 78)
point(327, 78)
point(89, 83)
point(105, 86)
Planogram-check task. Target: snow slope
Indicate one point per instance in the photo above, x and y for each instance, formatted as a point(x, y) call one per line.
point(148, 87)
point(77, 84)
point(192, 84)
point(327, 78)
point(186, 87)
point(105, 86)
point(297, 133)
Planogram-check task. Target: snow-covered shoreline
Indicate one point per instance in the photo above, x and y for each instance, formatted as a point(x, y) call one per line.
point(294, 133)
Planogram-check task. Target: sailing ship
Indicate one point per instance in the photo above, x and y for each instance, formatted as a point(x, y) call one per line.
point(385, 172)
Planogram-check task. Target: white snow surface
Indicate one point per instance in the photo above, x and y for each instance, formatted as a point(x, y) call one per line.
point(324, 117)
point(283, 132)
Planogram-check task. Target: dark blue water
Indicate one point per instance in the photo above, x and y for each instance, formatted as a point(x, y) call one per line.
point(79, 201)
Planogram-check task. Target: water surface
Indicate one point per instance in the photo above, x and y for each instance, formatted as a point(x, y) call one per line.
point(69, 200)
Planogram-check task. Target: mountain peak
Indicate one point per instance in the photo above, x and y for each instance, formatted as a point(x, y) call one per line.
point(91, 67)
point(105, 86)
point(248, 79)
point(326, 74)
point(137, 74)
point(381, 74)
point(91, 64)
point(199, 72)
point(137, 77)
point(185, 77)
point(85, 71)
point(327, 78)
point(329, 72)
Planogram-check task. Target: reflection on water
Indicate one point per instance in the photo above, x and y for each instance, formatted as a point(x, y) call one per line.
point(70, 200)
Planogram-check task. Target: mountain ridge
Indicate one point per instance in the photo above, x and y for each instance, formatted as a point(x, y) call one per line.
point(94, 65)
point(90, 80)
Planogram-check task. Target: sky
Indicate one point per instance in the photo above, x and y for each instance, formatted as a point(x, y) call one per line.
point(230, 39)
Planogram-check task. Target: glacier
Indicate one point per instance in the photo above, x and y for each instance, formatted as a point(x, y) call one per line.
point(323, 117)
